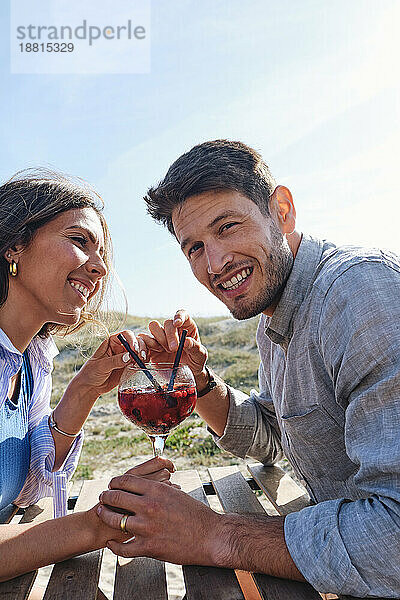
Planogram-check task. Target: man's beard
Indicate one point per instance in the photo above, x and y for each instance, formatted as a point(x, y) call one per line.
point(277, 271)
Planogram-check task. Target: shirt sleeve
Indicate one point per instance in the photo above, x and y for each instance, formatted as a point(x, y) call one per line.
point(352, 546)
point(251, 428)
point(41, 480)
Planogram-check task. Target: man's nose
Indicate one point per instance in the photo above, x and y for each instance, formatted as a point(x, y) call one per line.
point(217, 260)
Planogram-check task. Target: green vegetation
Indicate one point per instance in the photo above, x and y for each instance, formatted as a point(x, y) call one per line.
point(113, 445)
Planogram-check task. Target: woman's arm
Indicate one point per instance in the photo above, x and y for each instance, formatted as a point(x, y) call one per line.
point(24, 548)
point(30, 546)
point(100, 374)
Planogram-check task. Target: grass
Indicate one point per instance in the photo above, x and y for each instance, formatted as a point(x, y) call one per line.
point(83, 472)
point(180, 439)
point(123, 443)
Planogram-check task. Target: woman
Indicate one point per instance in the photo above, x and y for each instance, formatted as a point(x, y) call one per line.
point(54, 265)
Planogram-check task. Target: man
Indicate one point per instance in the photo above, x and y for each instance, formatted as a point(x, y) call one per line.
point(329, 344)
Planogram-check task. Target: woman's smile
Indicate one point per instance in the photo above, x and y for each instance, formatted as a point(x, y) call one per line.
point(80, 288)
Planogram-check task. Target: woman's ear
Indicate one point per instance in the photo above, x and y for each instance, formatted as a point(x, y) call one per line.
point(13, 253)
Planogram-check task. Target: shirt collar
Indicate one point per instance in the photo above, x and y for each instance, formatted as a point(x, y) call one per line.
point(7, 343)
point(42, 349)
point(279, 327)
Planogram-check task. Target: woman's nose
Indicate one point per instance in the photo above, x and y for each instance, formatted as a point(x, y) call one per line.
point(97, 265)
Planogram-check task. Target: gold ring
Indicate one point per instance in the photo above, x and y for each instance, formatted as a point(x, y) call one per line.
point(123, 523)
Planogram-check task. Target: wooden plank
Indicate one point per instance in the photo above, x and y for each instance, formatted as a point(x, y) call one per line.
point(248, 585)
point(235, 495)
point(280, 489)
point(89, 493)
point(78, 577)
point(203, 583)
point(233, 491)
point(7, 513)
point(140, 578)
point(20, 587)
point(40, 512)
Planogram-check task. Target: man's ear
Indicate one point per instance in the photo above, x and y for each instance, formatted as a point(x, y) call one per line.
point(282, 209)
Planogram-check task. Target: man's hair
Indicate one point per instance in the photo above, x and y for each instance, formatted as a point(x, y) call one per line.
point(211, 166)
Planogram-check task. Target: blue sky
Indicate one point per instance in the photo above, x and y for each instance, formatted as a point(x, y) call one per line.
point(313, 85)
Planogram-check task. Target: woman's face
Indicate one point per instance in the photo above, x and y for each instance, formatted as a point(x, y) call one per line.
point(61, 269)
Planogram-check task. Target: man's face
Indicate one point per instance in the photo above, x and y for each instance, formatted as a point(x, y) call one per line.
point(234, 250)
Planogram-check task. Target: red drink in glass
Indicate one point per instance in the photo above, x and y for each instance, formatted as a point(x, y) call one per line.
point(151, 406)
point(157, 412)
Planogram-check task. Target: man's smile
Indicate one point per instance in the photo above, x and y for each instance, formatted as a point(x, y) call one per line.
point(237, 283)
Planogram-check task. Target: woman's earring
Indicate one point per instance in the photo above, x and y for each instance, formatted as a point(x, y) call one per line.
point(13, 269)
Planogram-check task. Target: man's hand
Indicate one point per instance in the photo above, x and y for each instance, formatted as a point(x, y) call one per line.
point(166, 523)
point(163, 342)
point(161, 347)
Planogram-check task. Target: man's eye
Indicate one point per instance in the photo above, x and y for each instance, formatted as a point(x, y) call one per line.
point(227, 226)
point(194, 248)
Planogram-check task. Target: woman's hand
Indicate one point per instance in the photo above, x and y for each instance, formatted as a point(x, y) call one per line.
point(156, 469)
point(102, 372)
point(162, 344)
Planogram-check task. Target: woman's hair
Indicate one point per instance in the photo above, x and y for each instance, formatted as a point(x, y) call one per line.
point(29, 200)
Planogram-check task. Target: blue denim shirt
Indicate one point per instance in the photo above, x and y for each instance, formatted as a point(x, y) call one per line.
point(329, 400)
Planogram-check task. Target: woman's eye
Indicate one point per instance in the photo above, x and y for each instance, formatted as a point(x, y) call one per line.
point(194, 248)
point(80, 239)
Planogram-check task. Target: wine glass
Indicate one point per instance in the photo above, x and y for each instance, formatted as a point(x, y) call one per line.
point(157, 403)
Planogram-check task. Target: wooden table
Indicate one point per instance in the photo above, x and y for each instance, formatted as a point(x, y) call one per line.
point(144, 578)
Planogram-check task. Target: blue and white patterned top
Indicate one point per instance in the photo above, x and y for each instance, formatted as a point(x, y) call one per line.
point(40, 481)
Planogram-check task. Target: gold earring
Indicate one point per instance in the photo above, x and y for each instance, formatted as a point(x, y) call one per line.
point(13, 269)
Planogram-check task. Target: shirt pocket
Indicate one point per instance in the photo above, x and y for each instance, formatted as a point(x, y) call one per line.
point(310, 425)
point(314, 439)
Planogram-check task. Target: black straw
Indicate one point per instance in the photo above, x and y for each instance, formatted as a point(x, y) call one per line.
point(141, 364)
point(177, 360)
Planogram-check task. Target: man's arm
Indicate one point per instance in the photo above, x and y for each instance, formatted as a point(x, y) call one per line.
point(351, 546)
point(162, 523)
point(214, 406)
